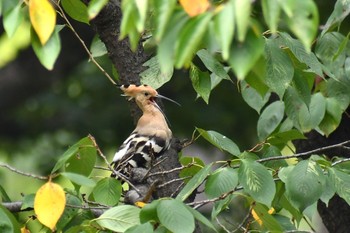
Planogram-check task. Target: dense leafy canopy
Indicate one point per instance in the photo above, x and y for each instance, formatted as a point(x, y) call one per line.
point(296, 77)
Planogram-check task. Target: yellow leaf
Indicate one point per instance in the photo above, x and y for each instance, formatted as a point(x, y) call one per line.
point(43, 18)
point(49, 204)
point(140, 204)
point(24, 230)
point(256, 217)
point(195, 7)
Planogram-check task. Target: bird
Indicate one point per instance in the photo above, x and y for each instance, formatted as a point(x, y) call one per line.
point(152, 135)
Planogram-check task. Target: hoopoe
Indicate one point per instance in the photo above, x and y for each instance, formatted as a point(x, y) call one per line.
point(151, 136)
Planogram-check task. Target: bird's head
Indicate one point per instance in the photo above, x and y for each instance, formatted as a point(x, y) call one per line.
point(143, 94)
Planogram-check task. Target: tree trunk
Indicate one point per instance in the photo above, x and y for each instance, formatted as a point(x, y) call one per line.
point(336, 217)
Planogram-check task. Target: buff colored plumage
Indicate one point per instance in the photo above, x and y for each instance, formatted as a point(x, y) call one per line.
point(151, 136)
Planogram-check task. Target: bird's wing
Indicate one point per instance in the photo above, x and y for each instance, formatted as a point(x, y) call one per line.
point(137, 151)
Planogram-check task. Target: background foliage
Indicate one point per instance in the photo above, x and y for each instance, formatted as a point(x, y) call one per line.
point(266, 73)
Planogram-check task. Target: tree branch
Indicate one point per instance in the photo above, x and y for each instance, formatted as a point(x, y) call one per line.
point(298, 155)
point(23, 173)
point(15, 207)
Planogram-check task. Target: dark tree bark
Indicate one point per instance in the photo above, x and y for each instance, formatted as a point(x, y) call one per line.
point(336, 217)
point(129, 65)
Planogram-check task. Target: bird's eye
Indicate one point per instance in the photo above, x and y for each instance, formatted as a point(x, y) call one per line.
point(146, 94)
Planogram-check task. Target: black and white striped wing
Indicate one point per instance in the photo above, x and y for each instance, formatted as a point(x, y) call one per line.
point(138, 151)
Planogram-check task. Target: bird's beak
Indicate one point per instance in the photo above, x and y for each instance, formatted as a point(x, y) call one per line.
point(166, 98)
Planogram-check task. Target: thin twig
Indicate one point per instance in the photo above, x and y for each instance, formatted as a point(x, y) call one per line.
point(102, 168)
point(198, 204)
point(172, 181)
point(171, 171)
point(70, 26)
point(88, 207)
point(298, 155)
point(94, 203)
point(244, 220)
point(177, 189)
point(340, 161)
point(24, 173)
point(221, 225)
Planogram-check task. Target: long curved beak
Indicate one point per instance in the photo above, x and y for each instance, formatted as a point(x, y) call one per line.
point(166, 98)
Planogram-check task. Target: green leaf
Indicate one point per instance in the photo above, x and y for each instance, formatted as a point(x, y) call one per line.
point(198, 216)
point(200, 82)
point(340, 89)
point(28, 201)
point(305, 184)
point(79, 179)
point(174, 215)
point(340, 12)
point(3, 195)
point(141, 6)
point(341, 181)
point(257, 77)
point(190, 38)
point(149, 212)
point(302, 19)
point(268, 221)
point(225, 27)
point(330, 188)
point(257, 181)
point(293, 105)
point(94, 7)
point(301, 54)
point(144, 228)
point(12, 19)
point(212, 64)
point(304, 117)
point(120, 218)
point(285, 203)
point(221, 205)
point(252, 97)
point(166, 48)
point(72, 151)
point(69, 212)
point(76, 9)
point(244, 55)
point(162, 14)
point(332, 117)
point(97, 48)
point(48, 53)
point(271, 10)
point(284, 137)
point(312, 117)
point(221, 181)
point(279, 68)
point(220, 141)
point(153, 76)
point(272, 151)
point(8, 223)
point(7, 6)
point(242, 17)
point(194, 169)
point(194, 183)
point(84, 160)
point(107, 191)
point(270, 118)
point(130, 24)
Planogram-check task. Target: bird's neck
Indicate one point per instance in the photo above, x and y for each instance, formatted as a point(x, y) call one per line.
point(152, 117)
